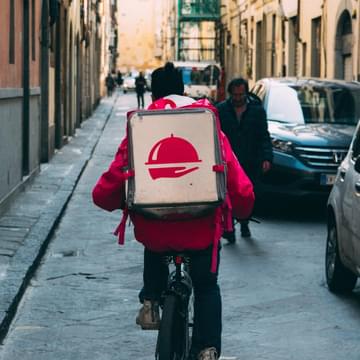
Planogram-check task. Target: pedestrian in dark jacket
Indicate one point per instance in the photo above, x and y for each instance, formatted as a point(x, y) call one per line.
point(243, 120)
point(140, 84)
point(110, 84)
point(119, 79)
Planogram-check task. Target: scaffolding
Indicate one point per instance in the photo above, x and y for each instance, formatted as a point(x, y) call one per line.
point(196, 29)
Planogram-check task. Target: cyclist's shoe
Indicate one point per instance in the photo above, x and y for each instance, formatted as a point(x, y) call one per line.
point(229, 236)
point(149, 316)
point(208, 354)
point(245, 231)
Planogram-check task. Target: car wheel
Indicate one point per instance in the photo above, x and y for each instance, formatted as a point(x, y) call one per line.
point(124, 91)
point(339, 279)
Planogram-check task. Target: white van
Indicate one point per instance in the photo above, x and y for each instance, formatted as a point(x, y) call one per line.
point(200, 78)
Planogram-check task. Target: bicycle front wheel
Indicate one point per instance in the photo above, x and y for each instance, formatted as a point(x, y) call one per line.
point(173, 331)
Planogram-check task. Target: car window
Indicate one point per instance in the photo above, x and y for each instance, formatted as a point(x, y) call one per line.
point(259, 90)
point(356, 145)
point(197, 76)
point(314, 104)
point(283, 105)
point(255, 89)
point(329, 104)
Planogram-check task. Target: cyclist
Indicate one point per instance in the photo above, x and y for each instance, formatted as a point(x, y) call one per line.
point(200, 234)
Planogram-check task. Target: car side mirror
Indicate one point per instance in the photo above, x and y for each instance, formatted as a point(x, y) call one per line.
point(357, 164)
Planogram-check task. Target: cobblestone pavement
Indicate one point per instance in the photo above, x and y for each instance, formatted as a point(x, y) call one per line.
point(27, 225)
point(81, 301)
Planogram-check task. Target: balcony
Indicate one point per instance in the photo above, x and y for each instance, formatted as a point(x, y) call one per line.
point(199, 10)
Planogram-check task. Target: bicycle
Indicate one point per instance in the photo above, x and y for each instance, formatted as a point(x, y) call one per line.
point(174, 336)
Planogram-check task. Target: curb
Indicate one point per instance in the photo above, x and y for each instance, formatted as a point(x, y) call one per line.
point(28, 256)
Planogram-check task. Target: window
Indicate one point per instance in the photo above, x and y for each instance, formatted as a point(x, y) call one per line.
point(12, 33)
point(356, 146)
point(273, 45)
point(316, 46)
point(284, 106)
point(259, 90)
point(314, 104)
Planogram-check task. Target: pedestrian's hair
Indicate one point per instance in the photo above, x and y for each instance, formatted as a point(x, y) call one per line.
point(166, 80)
point(237, 82)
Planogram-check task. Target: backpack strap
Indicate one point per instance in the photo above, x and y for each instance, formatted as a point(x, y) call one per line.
point(219, 168)
point(120, 230)
point(223, 220)
point(227, 213)
point(128, 173)
point(162, 103)
point(217, 236)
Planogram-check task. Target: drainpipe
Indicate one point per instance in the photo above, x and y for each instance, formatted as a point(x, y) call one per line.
point(178, 31)
point(324, 35)
point(358, 41)
point(26, 91)
point(44, 82)
point(58, 109)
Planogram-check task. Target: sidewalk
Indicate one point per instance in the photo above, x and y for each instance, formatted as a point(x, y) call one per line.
point(26, 227)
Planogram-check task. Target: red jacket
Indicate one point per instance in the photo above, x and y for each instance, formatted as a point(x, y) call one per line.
point(195, 234)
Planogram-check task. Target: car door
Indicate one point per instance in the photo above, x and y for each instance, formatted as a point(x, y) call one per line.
point(349, 202)
point(355, 191)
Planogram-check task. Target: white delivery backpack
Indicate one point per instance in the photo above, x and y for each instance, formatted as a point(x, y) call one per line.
point(175, 163)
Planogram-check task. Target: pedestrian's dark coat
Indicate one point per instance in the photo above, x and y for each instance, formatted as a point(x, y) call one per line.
point(249, 138)
point(140, 84)
point(110, 82)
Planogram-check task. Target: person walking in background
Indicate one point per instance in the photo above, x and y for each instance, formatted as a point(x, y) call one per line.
point(243, 120)
point(140, 84)
point(110, 84)
point(119, 79)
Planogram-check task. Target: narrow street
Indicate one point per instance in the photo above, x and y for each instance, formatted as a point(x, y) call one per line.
point(82, 302)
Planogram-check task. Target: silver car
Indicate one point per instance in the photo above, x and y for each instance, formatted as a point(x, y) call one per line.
point(343, 238)
point(128, 84)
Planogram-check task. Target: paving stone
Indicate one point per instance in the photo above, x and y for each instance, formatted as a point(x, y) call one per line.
point(7, 252)
point(17, 221)
point(34, 213)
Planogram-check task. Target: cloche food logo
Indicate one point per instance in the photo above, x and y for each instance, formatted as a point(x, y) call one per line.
point(166, 156)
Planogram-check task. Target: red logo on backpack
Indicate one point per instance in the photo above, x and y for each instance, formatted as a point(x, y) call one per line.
point(169, 151)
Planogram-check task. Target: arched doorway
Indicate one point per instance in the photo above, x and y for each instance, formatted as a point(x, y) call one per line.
point(343, 47)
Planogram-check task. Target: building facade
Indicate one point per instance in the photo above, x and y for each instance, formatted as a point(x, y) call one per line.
point(139, 36)
point(20, 106)
point(51, 63)
point(290, 38)
point(189, 30)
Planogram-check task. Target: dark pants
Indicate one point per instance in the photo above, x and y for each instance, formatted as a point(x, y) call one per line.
point(253, 174)
point(140, 100)
point(207, 297)
point(109, 91)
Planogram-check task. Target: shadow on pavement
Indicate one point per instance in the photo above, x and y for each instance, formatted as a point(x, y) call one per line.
point(291, 208)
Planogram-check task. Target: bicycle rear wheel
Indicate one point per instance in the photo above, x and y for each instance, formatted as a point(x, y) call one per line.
point(172, 337)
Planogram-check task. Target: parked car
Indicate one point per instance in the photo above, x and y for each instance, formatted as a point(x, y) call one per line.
point(311, 123)
point(342, 260)
point(128, 84)
point(147, 76)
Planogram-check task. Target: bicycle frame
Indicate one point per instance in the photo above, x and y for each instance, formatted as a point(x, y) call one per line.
point(179, 281)
point(179, 288)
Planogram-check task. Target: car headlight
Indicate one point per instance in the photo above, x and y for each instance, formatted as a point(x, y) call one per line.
point(282, 145)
